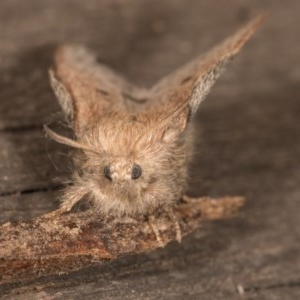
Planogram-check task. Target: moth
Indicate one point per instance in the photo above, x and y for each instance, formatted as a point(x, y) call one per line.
point(133, 143)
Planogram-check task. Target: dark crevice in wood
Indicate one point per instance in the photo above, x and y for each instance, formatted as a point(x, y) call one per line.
point(31, 191)
point(278, 285)
point(22, 128)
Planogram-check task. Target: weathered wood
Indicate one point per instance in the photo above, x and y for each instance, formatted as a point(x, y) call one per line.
point(29, 162)
point(249, 129)
point(28, 205)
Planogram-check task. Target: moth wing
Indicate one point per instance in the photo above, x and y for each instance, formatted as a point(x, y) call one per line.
point(85, 89)
point(193, 81)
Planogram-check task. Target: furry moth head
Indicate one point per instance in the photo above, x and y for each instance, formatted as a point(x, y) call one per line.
point(133, 139)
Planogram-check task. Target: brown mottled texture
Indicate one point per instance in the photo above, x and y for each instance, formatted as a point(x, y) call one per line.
point(57, 243)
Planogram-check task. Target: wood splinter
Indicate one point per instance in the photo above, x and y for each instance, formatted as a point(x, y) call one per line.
point(57, 243)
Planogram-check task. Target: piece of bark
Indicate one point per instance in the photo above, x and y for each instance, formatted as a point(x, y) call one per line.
point(56, 243)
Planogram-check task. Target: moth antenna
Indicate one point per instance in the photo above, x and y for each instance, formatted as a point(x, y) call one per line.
point(66, 141)
point(203, 76)
point(175, 112)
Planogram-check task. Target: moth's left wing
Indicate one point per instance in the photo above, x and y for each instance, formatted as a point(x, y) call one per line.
point(86, 89)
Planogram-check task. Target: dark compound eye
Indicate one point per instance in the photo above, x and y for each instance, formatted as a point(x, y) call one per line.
point(106, 172)
point(136, 171)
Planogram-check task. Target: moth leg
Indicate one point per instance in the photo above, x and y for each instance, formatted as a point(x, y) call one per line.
point(71, 196)
point(176, 224)
point(154, 228)
point(187, 199)
point(178, 231)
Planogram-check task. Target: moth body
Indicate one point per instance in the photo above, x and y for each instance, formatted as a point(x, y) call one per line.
point(132, 143)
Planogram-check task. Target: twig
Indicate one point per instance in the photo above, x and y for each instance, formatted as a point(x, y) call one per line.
point(56, 243)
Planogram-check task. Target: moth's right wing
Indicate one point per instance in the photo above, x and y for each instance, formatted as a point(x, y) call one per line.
point(194, 80)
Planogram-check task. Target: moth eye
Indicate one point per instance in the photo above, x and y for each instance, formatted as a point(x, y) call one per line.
point(106, 172)
point(136, 171)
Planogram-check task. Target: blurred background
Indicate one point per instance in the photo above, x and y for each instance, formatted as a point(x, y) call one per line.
point(248, 135)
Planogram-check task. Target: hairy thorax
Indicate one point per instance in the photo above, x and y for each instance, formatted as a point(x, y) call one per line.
point(128, 174)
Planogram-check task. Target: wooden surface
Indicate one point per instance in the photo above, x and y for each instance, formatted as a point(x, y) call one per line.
point(248, 134)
